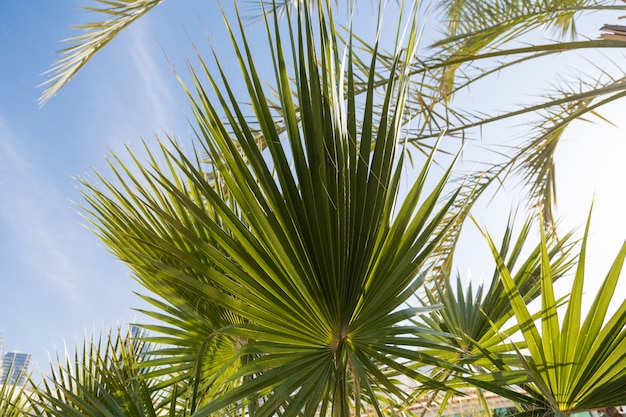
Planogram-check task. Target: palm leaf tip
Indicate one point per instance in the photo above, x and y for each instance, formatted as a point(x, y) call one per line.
point(118, 15)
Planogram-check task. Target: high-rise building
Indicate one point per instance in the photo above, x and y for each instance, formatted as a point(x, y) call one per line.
point(14, 368)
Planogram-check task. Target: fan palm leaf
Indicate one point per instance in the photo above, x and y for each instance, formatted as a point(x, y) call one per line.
point(575, 364)
point(103, 379)
point(477, 320)
point(310, 256)
point(477, 317)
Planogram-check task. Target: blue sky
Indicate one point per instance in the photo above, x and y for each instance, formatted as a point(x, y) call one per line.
point(57, 283)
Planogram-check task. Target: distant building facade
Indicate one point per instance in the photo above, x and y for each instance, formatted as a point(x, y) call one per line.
point(14, 368)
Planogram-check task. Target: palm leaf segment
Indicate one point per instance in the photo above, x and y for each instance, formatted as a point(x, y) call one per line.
point(478, 316)
point(309, 253)
point(120, 14)
point(573, 364)
point(103, 378)
point(487, 38)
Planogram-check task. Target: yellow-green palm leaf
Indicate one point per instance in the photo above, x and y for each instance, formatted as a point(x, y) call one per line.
point(576, 363)
point(301, 255)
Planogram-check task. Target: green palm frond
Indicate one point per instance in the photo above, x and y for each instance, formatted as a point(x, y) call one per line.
point(312, 250)
point(481, 39)
point(117, 14)
point(14, 398)
point(575, 364)
point(485, 39)
point(496, 22)
point(103, 378)
point(532, 160)
point(477, 318)
point(188, 352)
point(474, 27)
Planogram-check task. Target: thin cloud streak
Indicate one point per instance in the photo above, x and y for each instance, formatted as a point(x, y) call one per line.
point(154, 83)
point(30, 212)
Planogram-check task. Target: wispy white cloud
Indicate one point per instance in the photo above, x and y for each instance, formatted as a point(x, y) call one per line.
point(151, 102)
point(30, 210)
point(154, 80)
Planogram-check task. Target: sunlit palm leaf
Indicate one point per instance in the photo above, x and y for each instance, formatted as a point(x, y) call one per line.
point(478, 317)
point(312, 250)
point(119, 15)
point(102, 379)
point(481, 42)
point(478, 34)
point(491, 31)
point(14, 398)
point(533, 158)
point(574, 365)
point(187, 346)
point(474, 27)
point(477, 320)
point(466, 17)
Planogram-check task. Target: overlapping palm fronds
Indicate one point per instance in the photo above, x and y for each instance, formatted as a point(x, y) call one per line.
point(480, 39)
point(477, 319)
point(14, 398)
point(485, 38)
point(476, 31)
point(103, 378)
point(302, 269)
point(574, 363)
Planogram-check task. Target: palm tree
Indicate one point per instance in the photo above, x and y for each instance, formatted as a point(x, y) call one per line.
point(281, 257)
point(481, 40)
point(105, 377)
point(575, 364)
point(282, 273)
